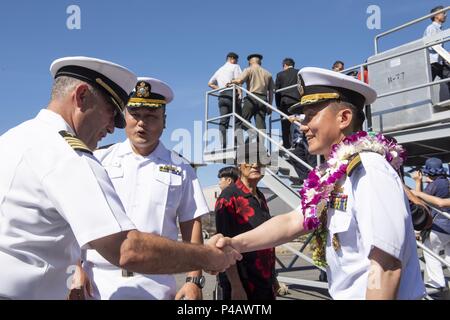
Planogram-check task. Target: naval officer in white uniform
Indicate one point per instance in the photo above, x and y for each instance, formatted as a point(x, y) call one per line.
point(370, 243)
point(158, 188)
point(55, 197)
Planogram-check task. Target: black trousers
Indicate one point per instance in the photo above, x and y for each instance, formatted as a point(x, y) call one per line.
point(258, 294)
point(286, 126)
point(254, 108)
point(301, 151)
point(226, 107)
point(441, 70)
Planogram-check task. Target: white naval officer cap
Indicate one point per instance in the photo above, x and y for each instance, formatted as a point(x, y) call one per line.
point(114, 80)
point(316, 85)
point(150, 93)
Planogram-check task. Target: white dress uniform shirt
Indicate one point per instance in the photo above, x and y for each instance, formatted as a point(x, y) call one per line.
point(377, 215)
point(154, 199)
point(53, 200)
point(225, 74)
point(433, 29)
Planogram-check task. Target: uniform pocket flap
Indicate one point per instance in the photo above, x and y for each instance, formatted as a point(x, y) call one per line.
point(340, 222)
point(163, 177)
point(168, 178)
point(114, 172)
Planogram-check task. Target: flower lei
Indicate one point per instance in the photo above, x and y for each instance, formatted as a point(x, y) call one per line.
point(321, 181)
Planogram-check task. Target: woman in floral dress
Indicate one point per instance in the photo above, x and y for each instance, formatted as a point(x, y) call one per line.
point(242, 207)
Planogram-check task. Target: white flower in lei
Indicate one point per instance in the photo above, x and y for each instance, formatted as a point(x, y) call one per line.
point(321, 181)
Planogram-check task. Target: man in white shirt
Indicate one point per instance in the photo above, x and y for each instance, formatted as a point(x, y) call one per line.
point(158, 188)
point(439, 67)
point(56, 198)
point(229, 71)
point(370, 243)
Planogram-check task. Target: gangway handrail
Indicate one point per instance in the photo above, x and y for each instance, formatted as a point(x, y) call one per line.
point(273, 141)
point(249, 125)
point(302, 255)
point(378, 36)
point(219, 89)
point(391, 56)
point(419, 86)
point(395, 55)
point(431, 253)
point(281, 113)
point(443, 213)
point(286, 88)
point(212, 92)
point(281, 90)
point(428, 250)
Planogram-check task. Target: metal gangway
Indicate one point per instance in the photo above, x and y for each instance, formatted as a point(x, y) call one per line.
point(278, 176)
point(410, 107)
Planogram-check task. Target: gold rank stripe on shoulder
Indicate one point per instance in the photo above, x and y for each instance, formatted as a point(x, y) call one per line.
point(74, 142)
point(354, 163)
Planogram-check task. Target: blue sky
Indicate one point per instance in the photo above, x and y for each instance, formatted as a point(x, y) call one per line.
point(183, 43)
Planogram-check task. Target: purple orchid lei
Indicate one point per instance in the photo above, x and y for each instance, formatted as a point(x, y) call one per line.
point(321, 181)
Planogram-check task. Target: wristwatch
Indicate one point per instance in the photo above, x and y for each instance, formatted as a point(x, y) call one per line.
point(199, 281)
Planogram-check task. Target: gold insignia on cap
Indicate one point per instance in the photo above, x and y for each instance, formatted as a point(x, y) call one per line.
point(300, 88)
point(317, 97)
point(143, 90)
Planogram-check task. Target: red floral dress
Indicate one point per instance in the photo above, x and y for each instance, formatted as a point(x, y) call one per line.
point(238, 211)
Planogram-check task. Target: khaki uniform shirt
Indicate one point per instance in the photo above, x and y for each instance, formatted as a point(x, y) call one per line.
point(258, 80)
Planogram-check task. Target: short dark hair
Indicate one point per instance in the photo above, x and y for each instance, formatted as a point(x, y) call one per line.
point(229, 172)
point(358, 114)
point(289, 62)
point(232, 55)
point(434, 10)
point(335, 64)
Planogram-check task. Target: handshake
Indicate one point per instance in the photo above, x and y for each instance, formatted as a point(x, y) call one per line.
point(222, 254)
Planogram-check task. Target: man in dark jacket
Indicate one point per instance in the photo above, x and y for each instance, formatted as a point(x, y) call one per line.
point(286, 98)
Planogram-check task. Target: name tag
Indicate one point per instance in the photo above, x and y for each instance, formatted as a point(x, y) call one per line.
point(170, 169)
point(338, 201)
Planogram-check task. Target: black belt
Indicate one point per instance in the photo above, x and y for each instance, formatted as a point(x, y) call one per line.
point(261, 96)
point(227, 95)
point(127, 274)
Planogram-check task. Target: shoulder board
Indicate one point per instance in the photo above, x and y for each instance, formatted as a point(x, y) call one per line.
point(183, 159)
point(74, 142)
point(353, 164)
point(105, 146)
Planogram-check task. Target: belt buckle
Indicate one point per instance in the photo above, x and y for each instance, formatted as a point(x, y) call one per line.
point(127, 274)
